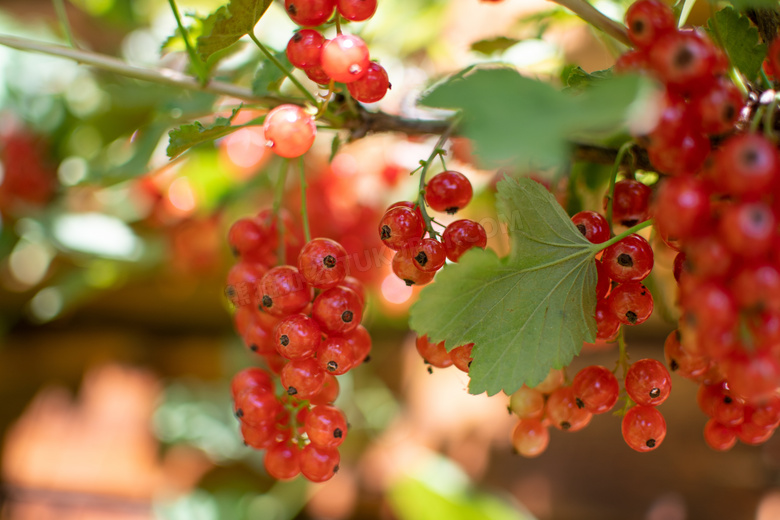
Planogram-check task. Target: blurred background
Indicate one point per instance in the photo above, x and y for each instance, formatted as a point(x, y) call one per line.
point(116, 340)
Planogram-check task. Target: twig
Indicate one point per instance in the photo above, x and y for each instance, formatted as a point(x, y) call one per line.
point(595, 18)
point(195, 60)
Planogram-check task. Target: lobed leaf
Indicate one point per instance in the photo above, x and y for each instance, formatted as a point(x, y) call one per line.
point(228, 24)
point(185, 137)
point(740, 41)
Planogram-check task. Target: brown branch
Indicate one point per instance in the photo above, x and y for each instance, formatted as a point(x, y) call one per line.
point(767, 22)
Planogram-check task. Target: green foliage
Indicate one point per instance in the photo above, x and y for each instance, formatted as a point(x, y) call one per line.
point(269, 77)
point(186, 136)
point(526, 313)
point(742, 5)
point(576, 78)
point(228, 24)
point(493, 45)
point(740, 40)
point(514, 119)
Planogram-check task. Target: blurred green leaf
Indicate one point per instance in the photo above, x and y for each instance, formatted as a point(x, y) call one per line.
point(578, 79)
point(269, 77)
point(186, 136)
point(742, 5)
point(228, 24)
point(493, 45)
point(740, 40)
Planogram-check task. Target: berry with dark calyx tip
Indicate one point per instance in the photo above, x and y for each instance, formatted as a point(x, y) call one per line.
point(289, 131)
point(242, 281)
point(719, 437)
point(323, 263)
point(257, 406)
point(249, 378)
point(644, 428)
point(563, 412)
point(592, 225)
point(259, 337)
point(309, 13)
point(606, 322)
point(647, 21)
point(685, 60)
point(317, 75)
point(398, 226)
point(746, 165)
point(718, 108)
point(682, 208)
point(345, 58)
point(595, 389)
point(245, 236)
point(297, 337)
point(305, 48)
point(283, 291)
point(748, 228)
point(678, 360)
point(448, 191)
point(461, 357)
point(319, 464)
point(360, 342)
point(282, 461)
point(328, 393)
point(460, 236)
point(433, 353)
point(530, 437)
point(372, 86)
point(356, 10)
point(338, 310)
point(631, 303)
point(629, 260)
point(336, 356)
point(404, 267)
point(727, 408)
point(302, 378)
point(427, 254)
point(326, 426)
point(259, 437)
point(631, 202)
point(527, 403)
point(648, 382)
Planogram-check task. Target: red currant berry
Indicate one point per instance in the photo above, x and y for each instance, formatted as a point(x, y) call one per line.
point(460, 236)
point(250, 378)
point(748, 228)
point(685, 157)
point(405, 268)
point(297, 337)
point(258, 336)
point(433, 353)
point(372, 86)
point(302, 378)
point(679, 265)
point(245, 236)
point(289, 131)
point(595, 389)
point(323, 263)
point(356, 10)
point(680, 361)
point(683, 207)
point(309, 13)
point(350, 282)
point(719, 437)
point(461, 357)
point(606, 322)
point(304, 48)
point(282, 461)
point(530, 437)
point(644, 428)
point(629, 260)
point(709, 257)
point(345, 58)
point(319, 464)
point(336, 356)
point(427, 254)
point(284, 291)
point(448, 191)
point(757, 287)
point(338, 310)
point(527, 403)
point(398, 226)
point(317, 74)
point(747, 165)
point(631, 202)
point(753, 435)
point(328, 393)
point(685, 60)
point(563, 412)
point(603, 283)
point(360, 342)
point(326, 426)
point(632, 62)
point(712, 306)
point(551, 382)
point(647, 21)
point(631, 303)
point(718, 108)
point(592, 225)
point(257, 405)
point(753, 376)
point(258, 438)
point(648, 382)
point(242, 282)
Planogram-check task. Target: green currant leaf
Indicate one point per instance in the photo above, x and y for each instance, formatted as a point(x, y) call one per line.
point(526, 313)
point(493, 45)
point(742, 5)
point(578, 79)
point(269, 77)
point(514, 119)
point(740, 41)
point(228, 24)
point(185, 137)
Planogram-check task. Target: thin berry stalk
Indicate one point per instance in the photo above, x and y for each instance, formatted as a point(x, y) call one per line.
point(284, 71)
point(642, 225)
point(612, 179)
point(277, 205)
point(304, 207)
point(437, 150)
point(195, 60)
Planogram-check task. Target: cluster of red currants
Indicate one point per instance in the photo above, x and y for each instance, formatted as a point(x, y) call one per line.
point(594, 390)
point(622, 299)
point(435, 355)
point(343, 59)
point(719, 211)
point(305, 340)
point(403, 228)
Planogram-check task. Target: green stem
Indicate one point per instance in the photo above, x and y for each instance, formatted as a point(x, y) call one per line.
point(277, 206)
point(765, 79)
point(437, 150)
point(622, 362)
point(338, 23)
point(757, 117)
point(615, 169)
point(62, 16)
point(600, 247)
point(304, 208)
point(272, 58)
point(769, 115)
point(197, 63)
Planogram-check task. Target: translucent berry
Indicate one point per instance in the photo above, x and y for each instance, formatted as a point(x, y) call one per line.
point(345, 58)
point(289, 131)
point(644, 428)
point(448, 191)
point(629, 260)
point(719, 437)
point(326, 426)
point(631, 202)
point(302, 378)
point(563, 412)
point(323, 263)
point(530, 437)
point(433, 353)
point(399, 225)
point(406, 269)
point(460, 236)
point(461, 357)
point(595, 389)
point(527, 403)
point(338, 310)
point(592, 225)
point(309, 13)
point(305, 48)
point(284, 291)
point(319, 464)
point(647, 20)
point(297, 337)
point(648, 382)
point(356, 10)
point(282, 461)
point(631, 303)
point(427, 254)
point(372, 86)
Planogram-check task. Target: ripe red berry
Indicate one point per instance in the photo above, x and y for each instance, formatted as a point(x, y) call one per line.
point(305, 48)
point(603, 283)
point(685, 157)
point(718, 108)
point(323, 263)
point(427, 254)
point(338, 310)
point(460, 236)
point(329, 391)
point(746, 165)
point(372, 86)
point(629, 260)
point(289, 131)
point(461, 357)
point(360, 341)
point(399, 225)
point(685, 60)
point(563, 412)
point(433, 353)
point(530, 437)
point(680, 361)
point(319, 464)
point(753, 376)
point(336, 356)
point(748, 228)
point(719, 437)
point(249, 378)
point(257, 405)
point(607, 323)
point(309, 13)
point(297, 337)
point(631, 303)
point(527, 403)
point(246, 236)
point(448, 191)
point(708, 256)
point(648, 382)
point(283, 291)
point(242, 283)
point(592, 225)
point(596, 389)
point(682, 208)
point(644, 428)
point(756, 287)
point(647, 21)
point(282, 461)
point(405, 268)
point(326, 426)
point(260, 437)
point(302, 378)
point(317, 74)
point(356, 10)
point(631, 202)
point(345, 58)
